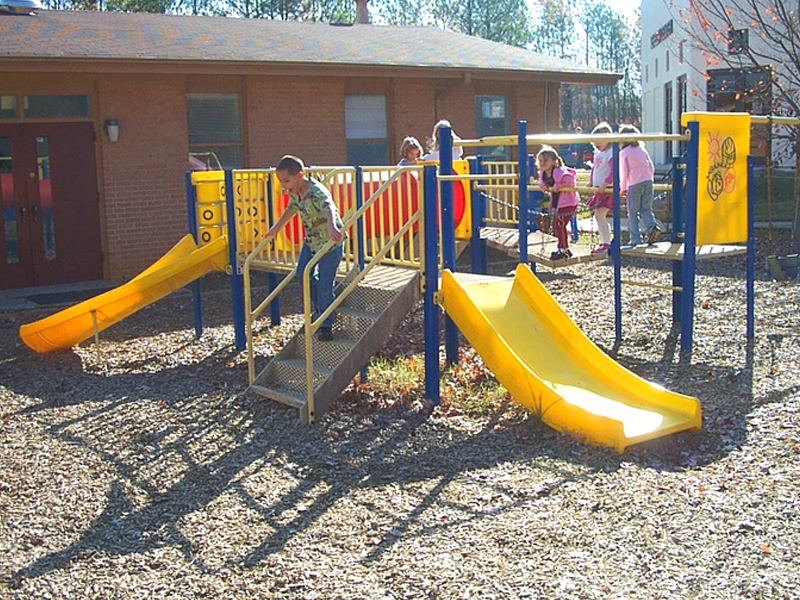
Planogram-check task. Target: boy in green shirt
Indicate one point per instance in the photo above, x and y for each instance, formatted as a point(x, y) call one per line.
point(321, 220)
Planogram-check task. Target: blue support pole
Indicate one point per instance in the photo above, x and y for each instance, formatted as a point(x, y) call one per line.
point(448, 233)
point(751, 250)
point(237, 280)
point(690, 239)
point(522, 189)
point(197, 301)
point(477, 246)
point(272, 278)
point(431, 278)
point(676, 235)
point(616, 249)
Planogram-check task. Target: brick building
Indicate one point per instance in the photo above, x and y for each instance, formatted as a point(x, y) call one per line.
point(100, 111)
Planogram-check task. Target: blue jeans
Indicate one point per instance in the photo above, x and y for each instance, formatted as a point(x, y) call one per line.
point(322, 280)
point(640, 202)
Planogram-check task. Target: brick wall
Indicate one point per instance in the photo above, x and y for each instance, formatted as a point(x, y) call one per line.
point(143, 173)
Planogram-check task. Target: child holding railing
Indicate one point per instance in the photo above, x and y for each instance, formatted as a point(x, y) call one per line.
point(314, 203)
point(554, 176)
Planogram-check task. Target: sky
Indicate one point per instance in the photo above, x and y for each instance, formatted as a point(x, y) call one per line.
point(629, 8)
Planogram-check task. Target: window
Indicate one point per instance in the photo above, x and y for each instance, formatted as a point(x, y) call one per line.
point(669, 118)
point(682, 96)
point(745, 90)
point(666, 62)
point(56, 107)
point(655, 74)
point(738, 41)
point(491, 118)
point(646, 73)
point(680, 53)
point(8, 107)
point(215, 127)
point(366, 129)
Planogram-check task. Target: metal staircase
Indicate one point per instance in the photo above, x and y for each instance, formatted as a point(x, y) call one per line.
point(365, 319)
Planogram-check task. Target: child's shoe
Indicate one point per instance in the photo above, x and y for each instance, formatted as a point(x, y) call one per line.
point(601, 249)
point(325, 334)
point(561, 254)
point(652, 234)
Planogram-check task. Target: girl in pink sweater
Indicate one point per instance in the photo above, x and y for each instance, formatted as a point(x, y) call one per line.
point(636, 185)
point(554, 176)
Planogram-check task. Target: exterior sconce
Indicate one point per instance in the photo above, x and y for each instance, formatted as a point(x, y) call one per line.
point(112, 129)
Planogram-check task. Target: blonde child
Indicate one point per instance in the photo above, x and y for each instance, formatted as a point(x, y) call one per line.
point(602, 177)
point(554, 176)
point(433, 142)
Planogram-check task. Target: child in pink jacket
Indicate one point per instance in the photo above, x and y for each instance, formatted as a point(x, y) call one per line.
point(636, 185)
point(553, 177)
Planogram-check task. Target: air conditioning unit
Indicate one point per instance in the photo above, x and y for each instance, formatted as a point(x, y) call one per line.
point(20, 7)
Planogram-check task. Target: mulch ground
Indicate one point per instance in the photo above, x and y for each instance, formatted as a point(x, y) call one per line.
point(148, 472)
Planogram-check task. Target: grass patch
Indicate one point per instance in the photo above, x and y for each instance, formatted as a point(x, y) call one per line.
point(782, 197)
point(465, 388)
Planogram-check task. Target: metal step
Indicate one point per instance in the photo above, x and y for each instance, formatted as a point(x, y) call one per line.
point(363, 322)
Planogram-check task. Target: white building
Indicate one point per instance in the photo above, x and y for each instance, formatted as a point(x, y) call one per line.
point(679, 74)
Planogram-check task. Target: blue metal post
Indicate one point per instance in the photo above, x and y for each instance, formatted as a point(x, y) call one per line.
point(431, 278)
point(272, 278)
point(477, 246)
point(197, 301)
point(448, 233)
point(751, 250)
point(237, 280)
point(616, 249)
point(690, 239)
point(677, 229)
point(522, 189)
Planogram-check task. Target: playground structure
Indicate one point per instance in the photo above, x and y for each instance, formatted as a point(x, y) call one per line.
point(402, 226)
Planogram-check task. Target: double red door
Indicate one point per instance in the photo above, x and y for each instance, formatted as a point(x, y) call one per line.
point(50, 220)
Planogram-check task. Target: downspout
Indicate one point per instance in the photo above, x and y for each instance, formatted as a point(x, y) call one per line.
point(547, 106)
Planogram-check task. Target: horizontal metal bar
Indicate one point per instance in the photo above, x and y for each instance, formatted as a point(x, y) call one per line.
point(767, 120)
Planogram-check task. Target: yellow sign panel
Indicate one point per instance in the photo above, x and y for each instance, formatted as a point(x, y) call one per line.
point(721, 176)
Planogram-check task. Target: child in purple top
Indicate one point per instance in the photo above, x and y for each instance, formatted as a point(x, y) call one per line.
point(636, 185)
point(553, 177)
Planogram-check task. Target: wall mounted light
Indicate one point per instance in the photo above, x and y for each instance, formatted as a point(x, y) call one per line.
point(111, 127)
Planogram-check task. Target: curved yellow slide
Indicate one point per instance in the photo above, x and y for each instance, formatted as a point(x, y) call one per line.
point(547, 363)
point(184, 263)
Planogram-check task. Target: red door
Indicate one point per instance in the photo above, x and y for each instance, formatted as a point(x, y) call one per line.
point(50, 215)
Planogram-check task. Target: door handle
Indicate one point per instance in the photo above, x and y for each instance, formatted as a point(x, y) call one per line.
point(34, 213)
point(23, 214)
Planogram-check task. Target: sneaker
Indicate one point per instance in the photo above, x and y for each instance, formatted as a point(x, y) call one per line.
point(561, 254)
point(652, 234)
point(325, 334)
point(601, 249)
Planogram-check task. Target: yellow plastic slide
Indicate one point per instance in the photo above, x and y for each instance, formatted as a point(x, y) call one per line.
point(546, 362)
point(184, 263)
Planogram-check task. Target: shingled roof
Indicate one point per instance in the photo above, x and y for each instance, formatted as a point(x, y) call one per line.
point(59, 38)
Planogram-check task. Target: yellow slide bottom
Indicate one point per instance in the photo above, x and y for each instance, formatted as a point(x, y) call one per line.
point(184, 263)
point(546, 363)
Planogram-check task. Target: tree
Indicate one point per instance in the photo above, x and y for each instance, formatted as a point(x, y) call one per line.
point(554, 33)
point(755, 36)
point(505, 21)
